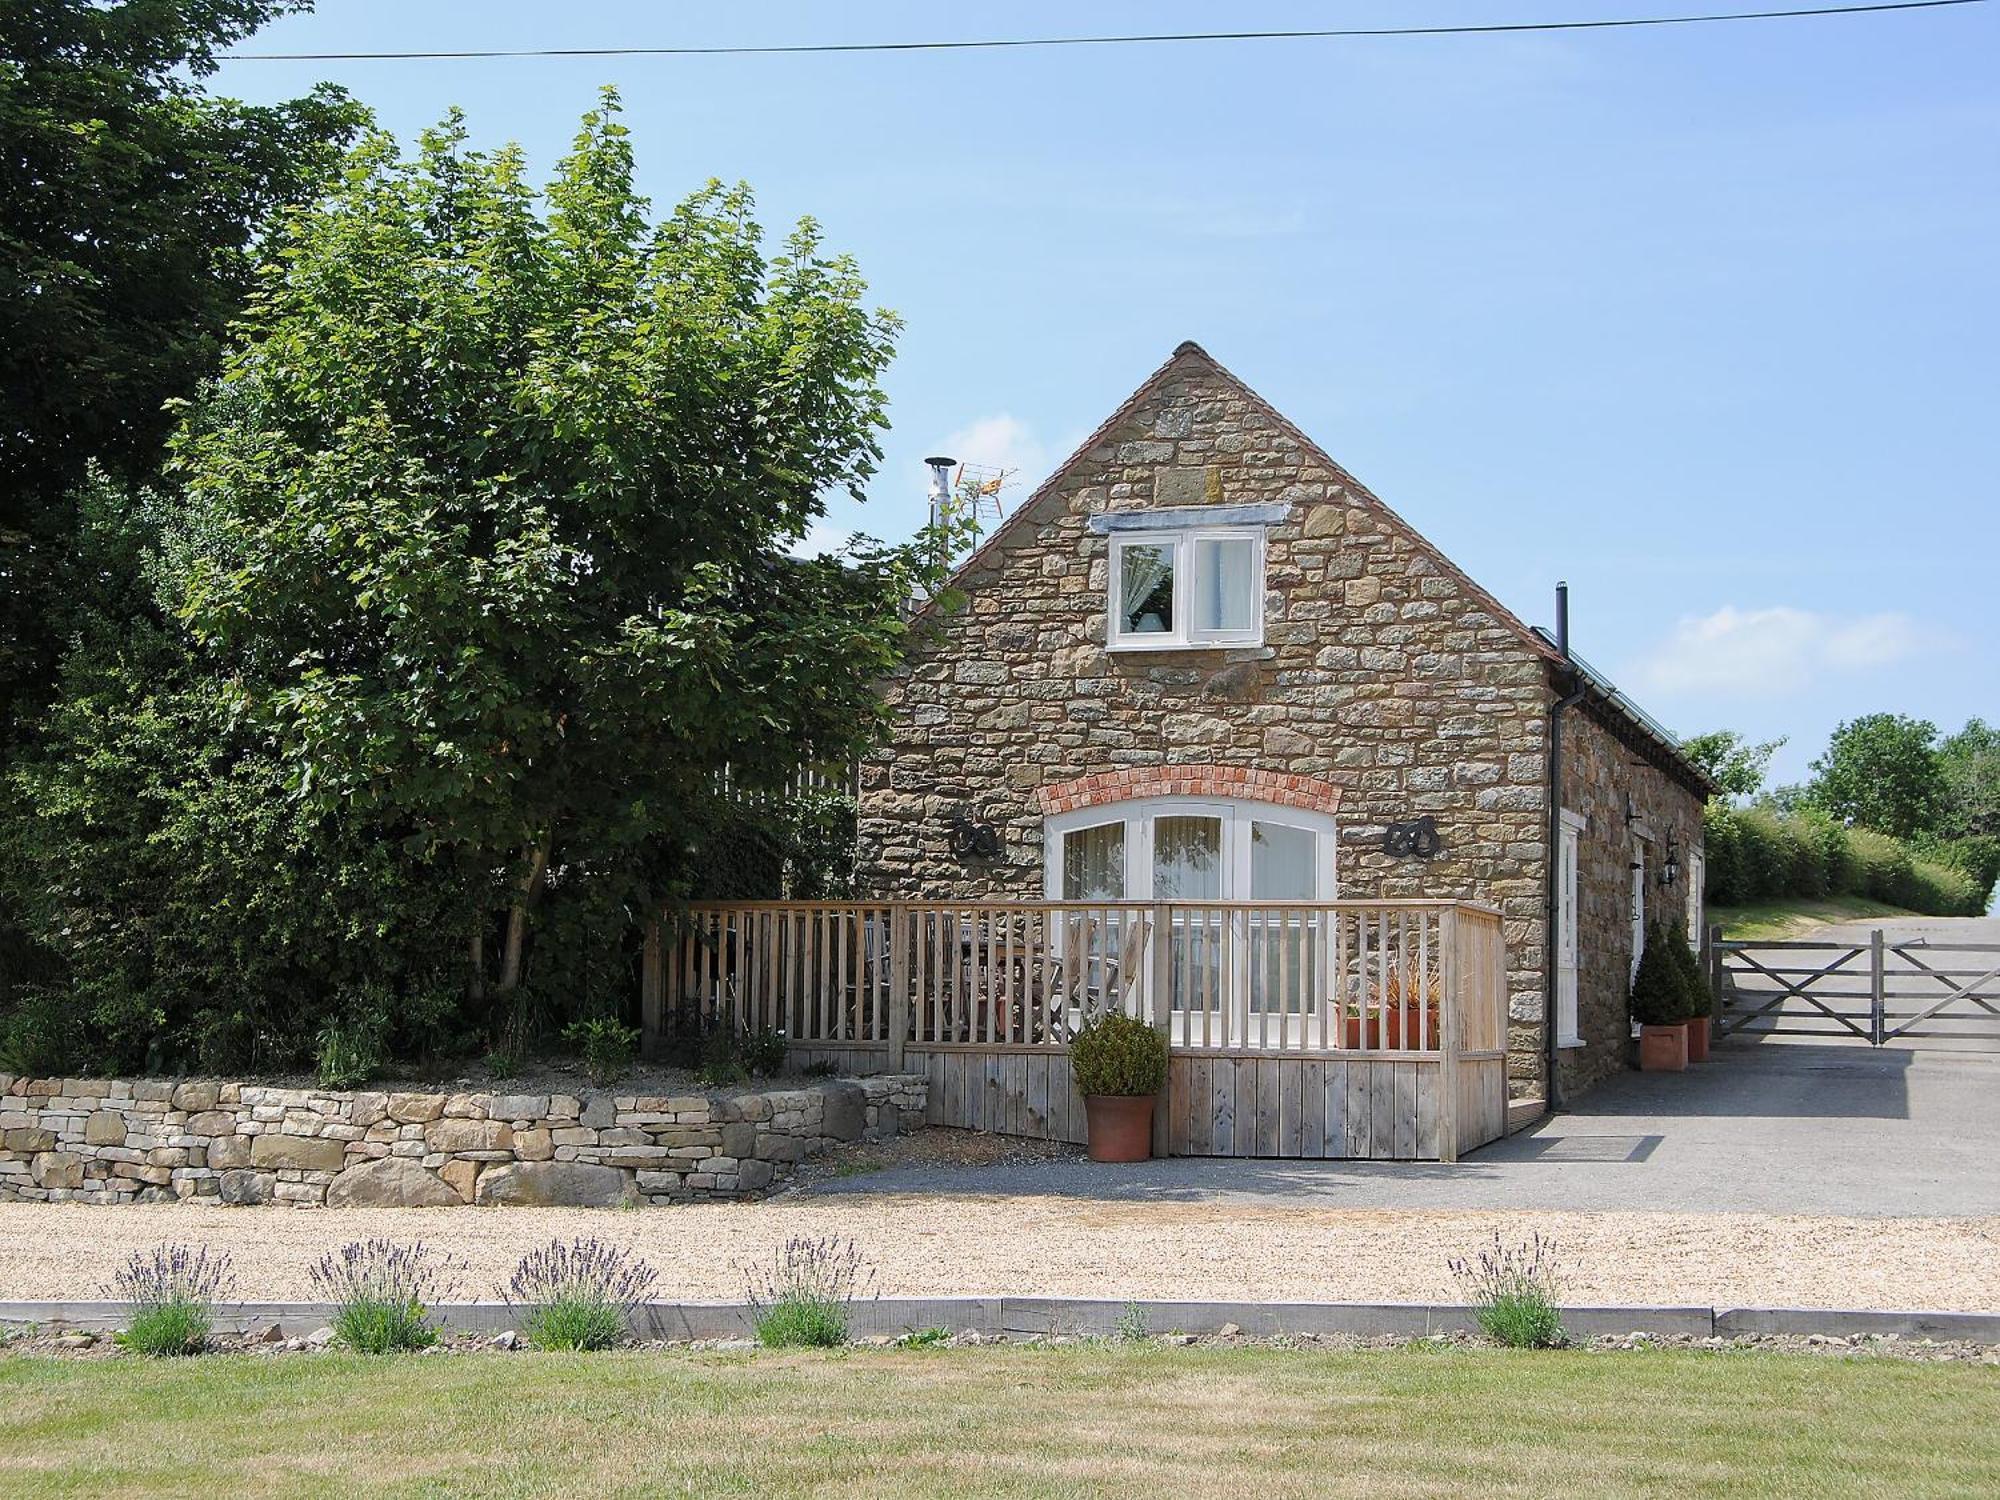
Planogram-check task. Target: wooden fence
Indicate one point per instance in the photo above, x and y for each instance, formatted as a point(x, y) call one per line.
point(1345, 1029)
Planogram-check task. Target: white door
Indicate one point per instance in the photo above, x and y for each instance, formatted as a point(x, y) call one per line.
point(1566, 931)
point(1638, 905)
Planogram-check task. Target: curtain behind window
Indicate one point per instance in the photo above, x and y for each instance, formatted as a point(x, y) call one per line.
point(1225, 584)
point(1146, 590)
point(1094, 863)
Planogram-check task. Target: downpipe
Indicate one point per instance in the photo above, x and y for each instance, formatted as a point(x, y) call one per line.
point(1552, 1083)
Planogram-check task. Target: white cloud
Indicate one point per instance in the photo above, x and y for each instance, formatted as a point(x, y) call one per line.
point(1001, 441)
point(1774, 650)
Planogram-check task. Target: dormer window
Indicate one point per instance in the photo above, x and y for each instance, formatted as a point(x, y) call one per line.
point(1182, 589)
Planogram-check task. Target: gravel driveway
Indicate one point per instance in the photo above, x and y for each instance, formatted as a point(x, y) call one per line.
point(962, 1245)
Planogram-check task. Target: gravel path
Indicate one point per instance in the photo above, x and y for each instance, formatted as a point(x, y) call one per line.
point(945, 1245)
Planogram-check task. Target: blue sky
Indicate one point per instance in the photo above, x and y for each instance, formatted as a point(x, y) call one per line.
point(1703, 320)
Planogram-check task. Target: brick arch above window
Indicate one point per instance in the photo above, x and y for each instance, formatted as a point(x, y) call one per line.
point(1279, 788)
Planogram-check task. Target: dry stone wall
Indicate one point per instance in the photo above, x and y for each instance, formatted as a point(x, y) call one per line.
point(98, 1140)
point(1383, 673)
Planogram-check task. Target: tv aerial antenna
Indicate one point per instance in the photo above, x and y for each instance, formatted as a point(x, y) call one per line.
point(980, 488)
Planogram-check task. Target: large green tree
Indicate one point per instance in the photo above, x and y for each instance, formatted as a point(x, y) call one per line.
point(1970, 761)
point(129, 206)
point(1881, 771)
point(1738, 765)
point(498, 508)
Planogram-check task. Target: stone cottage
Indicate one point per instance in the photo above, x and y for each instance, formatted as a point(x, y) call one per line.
point(1203, 661)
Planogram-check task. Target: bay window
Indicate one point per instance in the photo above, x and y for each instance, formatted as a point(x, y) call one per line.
point(1190, 849)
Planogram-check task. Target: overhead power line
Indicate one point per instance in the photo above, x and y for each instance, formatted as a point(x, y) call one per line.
point(996, 43)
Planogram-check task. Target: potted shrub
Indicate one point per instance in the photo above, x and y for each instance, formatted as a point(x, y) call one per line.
point(1660, 1006)
point(1701, 1001)
point(1120, 1065)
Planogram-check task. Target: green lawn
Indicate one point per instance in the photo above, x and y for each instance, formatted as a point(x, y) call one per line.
point(1147, 1422)
point(1775, 921)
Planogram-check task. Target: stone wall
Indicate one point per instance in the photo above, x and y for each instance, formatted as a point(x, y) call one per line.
point(1600, 771)
point(1384, 673)
point(97, 1140)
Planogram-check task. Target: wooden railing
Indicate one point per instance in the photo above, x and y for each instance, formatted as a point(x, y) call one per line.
point(1409, 979)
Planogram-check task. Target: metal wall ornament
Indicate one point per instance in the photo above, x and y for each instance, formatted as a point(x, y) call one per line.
point(969, 838)
point(1413, 838)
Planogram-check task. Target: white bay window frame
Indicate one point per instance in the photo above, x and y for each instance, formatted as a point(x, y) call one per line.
point(1137, 816)
point(1184, 634)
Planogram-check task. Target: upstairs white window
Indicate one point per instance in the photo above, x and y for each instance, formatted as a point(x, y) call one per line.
point(1177, 589)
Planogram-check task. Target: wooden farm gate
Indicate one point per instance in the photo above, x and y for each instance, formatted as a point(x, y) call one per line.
point(1326, 1029)
point(1879, 991)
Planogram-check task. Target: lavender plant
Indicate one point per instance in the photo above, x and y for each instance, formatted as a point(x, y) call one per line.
point(578, 1295)
point(383, 1293)
point(804, 1295)
point(1514, 1291)
point(172, 1293)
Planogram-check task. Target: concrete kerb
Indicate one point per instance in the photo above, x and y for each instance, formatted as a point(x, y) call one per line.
point(1023, 1317)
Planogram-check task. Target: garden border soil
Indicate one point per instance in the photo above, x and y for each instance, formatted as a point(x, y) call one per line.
point(1026, 1317)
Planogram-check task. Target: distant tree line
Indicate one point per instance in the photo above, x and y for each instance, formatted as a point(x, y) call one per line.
point(1893, 810)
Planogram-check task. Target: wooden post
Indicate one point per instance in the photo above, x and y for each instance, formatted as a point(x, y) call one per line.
point(652, 991)
point(1715, 976)
point(1451, 978)
point(899, 987)
point(1877, 1020)
point(1159, 988)
point(1160, 1011)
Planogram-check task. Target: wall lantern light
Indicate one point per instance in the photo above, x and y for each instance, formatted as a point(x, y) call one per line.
point(1670, 867)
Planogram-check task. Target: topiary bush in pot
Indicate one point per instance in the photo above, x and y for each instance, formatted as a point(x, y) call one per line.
point(1119, 1064)
point(1700, 998)
point(1660, 1006)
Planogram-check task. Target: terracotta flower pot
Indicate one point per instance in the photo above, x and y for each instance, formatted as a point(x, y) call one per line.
point(1663, 1049)
point(1121, 1127)
point(1697, 1029)
point(1405, 1028)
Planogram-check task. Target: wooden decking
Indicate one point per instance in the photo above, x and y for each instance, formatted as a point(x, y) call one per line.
point(1373, 1030)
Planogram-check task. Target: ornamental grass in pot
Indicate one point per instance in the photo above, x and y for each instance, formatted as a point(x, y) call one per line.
point(1399, 1016)
point(1660, 1005)
point(1119, 1064)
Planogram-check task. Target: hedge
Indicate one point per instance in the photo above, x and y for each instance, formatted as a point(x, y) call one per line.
point(1759, 854)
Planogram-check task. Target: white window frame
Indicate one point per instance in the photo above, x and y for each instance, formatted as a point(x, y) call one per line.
point(1183, 637)
point(1640, 839)
point(1569, 853)
point(1695, 872)
point(1236, 815)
